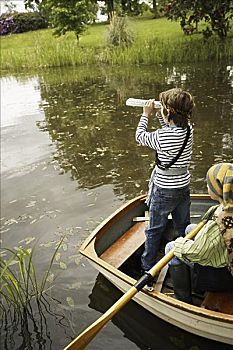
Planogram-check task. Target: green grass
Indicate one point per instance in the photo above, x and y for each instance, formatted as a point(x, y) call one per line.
point(156, 41)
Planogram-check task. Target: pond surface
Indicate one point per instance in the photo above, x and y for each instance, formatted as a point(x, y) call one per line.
point(69, 159)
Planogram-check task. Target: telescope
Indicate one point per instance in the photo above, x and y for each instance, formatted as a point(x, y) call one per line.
point(137, 102)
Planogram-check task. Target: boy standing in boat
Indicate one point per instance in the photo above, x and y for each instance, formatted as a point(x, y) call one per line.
point(169, 184)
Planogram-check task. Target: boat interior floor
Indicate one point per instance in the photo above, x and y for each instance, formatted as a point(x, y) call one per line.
point(132, 267)
point(125, 254)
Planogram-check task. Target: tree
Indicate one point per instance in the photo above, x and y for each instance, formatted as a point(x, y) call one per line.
point(68, 15)
point(35, 5)
point(122, 7)
point(215, 13)
point(132, 7)
point(10, 7)
point(109, 8)
point(154, 5)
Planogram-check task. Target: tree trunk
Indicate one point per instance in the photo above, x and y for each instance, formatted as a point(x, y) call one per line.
point(154, 8)
point(110, 9)
point(124, 5)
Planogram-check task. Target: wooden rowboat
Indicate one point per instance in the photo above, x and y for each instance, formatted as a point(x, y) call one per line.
point(114, 249)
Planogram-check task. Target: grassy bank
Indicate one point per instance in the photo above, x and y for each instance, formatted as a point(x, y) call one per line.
point(156, 41)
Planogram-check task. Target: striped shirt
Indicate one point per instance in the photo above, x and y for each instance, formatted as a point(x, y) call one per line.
point(208, 249)
point(167, 141)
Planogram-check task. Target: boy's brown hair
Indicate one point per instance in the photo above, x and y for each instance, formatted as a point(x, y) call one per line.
point(179, 105)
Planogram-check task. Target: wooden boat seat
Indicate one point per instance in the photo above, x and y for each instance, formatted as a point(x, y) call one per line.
point(219, 301)
point(125, 246)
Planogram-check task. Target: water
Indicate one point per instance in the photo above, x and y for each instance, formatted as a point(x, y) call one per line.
point(69, 159)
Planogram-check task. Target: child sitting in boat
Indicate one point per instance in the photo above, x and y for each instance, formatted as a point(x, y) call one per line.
point(169, 183)
point(210, 255)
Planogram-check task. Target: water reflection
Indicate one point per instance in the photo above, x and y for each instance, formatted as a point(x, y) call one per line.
point(86, 117)
point(91, 140)
point(36, 327)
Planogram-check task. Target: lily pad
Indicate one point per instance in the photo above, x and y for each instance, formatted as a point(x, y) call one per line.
point(63, 265)
point(70, 301)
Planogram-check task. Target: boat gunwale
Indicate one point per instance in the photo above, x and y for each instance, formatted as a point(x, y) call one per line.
point(88, 250)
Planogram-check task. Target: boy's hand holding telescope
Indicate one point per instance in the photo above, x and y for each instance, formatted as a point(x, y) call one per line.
point(150, 107)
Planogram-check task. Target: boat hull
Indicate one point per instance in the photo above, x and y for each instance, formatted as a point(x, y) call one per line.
point(209, 324)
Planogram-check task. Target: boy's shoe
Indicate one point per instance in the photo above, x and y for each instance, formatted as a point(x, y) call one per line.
point(149, 286)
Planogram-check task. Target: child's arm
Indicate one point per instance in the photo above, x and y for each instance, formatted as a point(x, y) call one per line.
point(209, 247)
point(144, 137)
point(150, 109)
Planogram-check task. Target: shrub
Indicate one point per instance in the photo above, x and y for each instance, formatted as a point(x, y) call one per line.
point(21, 22)
point(6, 25)
point(119, 33)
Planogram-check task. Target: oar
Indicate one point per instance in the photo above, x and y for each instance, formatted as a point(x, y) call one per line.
point(89, 333)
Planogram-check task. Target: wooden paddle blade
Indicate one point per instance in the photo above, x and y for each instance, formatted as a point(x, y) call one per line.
point(88, 334)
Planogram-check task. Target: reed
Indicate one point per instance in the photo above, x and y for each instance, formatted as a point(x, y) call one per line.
point(155, 41)
point(155, 51)
point(19, 280)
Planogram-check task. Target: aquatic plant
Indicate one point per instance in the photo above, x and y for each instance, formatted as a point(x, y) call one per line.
point(29, 309)
point(19, 281)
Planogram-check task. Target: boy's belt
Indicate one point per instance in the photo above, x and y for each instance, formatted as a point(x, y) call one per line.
point(171, 171)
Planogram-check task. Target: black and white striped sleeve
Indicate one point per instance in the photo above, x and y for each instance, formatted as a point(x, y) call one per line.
point(144, 137)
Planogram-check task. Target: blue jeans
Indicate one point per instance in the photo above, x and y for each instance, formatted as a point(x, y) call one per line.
point(162, 203)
